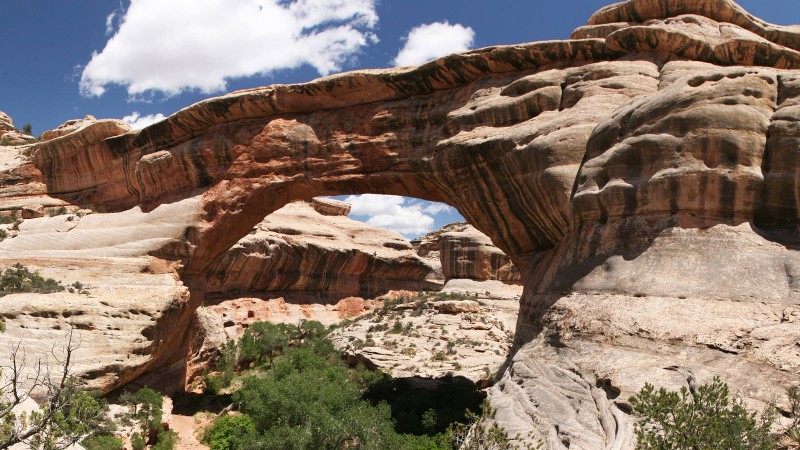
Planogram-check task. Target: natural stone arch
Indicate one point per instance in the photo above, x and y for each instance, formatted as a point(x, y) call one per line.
point(258, 150)
point(589, 153)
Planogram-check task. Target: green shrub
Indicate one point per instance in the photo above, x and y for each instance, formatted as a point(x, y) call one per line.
point(138, 442)
point(703, 418)
point(102, 442)
point(792, 433)
point(215, 383)
point(227, 431)
point(18, 278)
point(166, 440)
point(58, 211)
point(8, 219)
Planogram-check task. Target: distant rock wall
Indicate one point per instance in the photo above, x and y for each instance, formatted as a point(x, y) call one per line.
point(641, 176)
point(465, 252)
point(300, 249)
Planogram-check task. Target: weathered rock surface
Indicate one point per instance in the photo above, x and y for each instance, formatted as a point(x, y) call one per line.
point(126, 323)
point(68, 127)
point(6, 123)
point(468, 253)
point(468, 336)
point(330, 207)
point(645, 170)
point(9, 135)
point(300, 249)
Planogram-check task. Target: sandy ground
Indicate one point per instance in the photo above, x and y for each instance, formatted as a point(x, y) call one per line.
point(185, 426)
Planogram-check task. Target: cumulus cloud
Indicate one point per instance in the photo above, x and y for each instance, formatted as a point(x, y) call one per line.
point(400, 214)
point(430, 41)
point(177, 45)
point(138, 121)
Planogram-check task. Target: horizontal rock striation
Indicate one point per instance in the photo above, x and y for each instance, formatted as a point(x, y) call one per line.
point(299, 249)
point(470, 254)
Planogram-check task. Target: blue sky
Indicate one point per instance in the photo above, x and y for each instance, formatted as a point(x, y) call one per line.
point(112, 58)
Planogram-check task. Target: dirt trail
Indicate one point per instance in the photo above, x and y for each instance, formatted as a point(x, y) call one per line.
point(185, 426)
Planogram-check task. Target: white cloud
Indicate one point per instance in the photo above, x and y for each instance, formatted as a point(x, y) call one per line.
point(177, 45)
point(436, 208)
point(138, 121)
point(396, 213)
point(113, 20)
point(430, 41)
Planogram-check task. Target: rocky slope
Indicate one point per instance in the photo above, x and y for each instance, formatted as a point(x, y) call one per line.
point(641, 176)
point(298, 263)
point(465, 330)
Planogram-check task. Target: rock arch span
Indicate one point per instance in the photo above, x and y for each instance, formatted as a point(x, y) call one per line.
point(642, 176)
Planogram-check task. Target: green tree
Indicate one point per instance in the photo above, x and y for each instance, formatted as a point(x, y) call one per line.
point(227, 431)
point(27, 129)
point(146, 408)
point(102, 442)
point(699, 419)
point(66, 415)
point(149, 413)
point(265, 339)
point(304, 403)
point(18, 278)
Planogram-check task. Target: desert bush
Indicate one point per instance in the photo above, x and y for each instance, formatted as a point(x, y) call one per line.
point(18, 278)
point(166, 440)
point(102, 442)
point(791, 435)
point(58, 211)
point(8, 219)
point(480, 432)
point(702, 418)
point(138, 442)
point(227, 431)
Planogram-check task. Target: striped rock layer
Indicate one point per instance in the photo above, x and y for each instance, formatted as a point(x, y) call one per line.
point(642, 176)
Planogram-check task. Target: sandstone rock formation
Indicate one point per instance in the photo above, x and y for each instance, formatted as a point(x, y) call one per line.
point(468, 253)
point(304, 261)
point(9, 135)
point(460, 251)
point(642, 177)
point(461, 333)
point(68, 127)
point(299, 249)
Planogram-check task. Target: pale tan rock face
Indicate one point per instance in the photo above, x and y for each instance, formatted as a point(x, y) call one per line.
point(330, 207)
point(464, 337)
point(298, 249)
point(68, 127)
point(6, 124)
point(9, 135)
point(470, 254)
point(133, 303)
point(651, 158)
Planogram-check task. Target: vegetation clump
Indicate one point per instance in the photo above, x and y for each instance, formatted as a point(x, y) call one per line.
point(297, 393)
point(145, 408)
point(58, 211)
point(18, 278)
point(700, 418)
